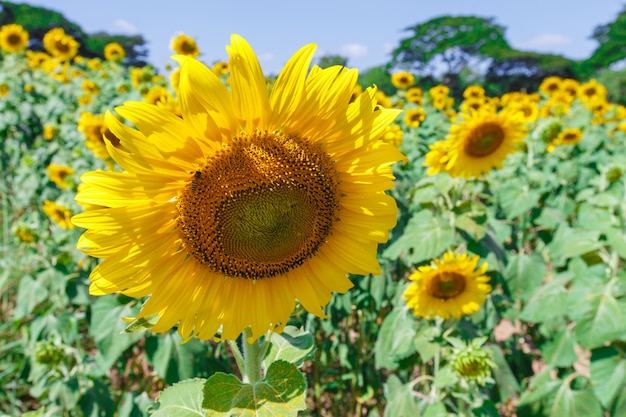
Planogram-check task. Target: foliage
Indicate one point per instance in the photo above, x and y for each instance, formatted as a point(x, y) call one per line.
point(38, 20)
point(611, 38)
point(330, 60)
point(551, 227)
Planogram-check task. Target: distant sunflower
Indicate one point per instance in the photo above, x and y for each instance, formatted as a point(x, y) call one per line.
point(474, 92)
point(591, 90)
point(249, 202)
point(570, 136)
point(551, 85)
point(60, 45)
point(414, 117)
point(13, 38)
point(481, 141)
point(220, 68)
point(437, 158)
point(184, 45)
point(59, 174)
point(114, 52)
point(59, 214)
point(402, 80)
point(452, 286)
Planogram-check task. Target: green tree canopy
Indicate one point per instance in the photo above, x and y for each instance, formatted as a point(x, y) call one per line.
point(612, 43)
point(39, 20)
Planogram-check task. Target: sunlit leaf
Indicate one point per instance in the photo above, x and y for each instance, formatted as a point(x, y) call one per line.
point(183, 399)
point(280, 393)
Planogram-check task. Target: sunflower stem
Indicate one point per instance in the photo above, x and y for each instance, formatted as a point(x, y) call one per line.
point(252, 358)
point(234, 348)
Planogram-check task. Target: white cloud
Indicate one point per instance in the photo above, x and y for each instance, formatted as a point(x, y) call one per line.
point(125, 26)
point(354, 50)
point(543, 41)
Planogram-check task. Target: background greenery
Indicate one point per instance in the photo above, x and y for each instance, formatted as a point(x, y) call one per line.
point(550, 225)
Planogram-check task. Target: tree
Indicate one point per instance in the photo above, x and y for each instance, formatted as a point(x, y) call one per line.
point(330, 60)
point(39, 20)
point(612, 44)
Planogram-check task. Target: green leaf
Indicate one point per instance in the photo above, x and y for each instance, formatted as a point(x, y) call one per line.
point(569, 242)
point(524, 274)
point(424, 344)
point(280, 393)
point(142, 324)
point(601, 320)
point(107, 329)
point(395, 339)
point(425, 237)
point(517, 198)
point(293, 346)
point(436, 409)
point(183, 399)
point(506, 382)
point(575, 403)
point(608, 374)
point(550, 301)
point(559, 352)
point(400, 399)
point(617, 240)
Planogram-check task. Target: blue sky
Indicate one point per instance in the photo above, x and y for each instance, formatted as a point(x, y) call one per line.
point(364, 31)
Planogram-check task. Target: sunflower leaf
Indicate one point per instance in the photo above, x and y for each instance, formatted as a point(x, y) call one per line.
point(183, 399)
point(281, 392)
point(425, 237)
point(293, 346)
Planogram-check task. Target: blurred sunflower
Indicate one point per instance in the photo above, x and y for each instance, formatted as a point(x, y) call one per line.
point(481, 141)
point(184, 45)
point(591, 90)
point(13, 38)
point(60, 45)
point(49, 132)
point(393, 135)
point(402, 80)
point(4, 90)
point(437, 157)
point(90, 87)
point(551, 85)
point(113, 51)
point(439, 90)
point(452, 286)
point(249, 202)
point(220, 68)
point(413, 117)
point(570, 136)
point(59, 174)
point(59, 214)
point(474, 92)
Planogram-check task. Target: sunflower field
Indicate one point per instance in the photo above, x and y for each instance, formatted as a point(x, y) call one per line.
point(212, 241)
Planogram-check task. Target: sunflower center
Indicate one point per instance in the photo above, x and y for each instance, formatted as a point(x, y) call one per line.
point(260, 207)
point(14, 39)
point(447, 285)
point(484, 140)
point(62, 46)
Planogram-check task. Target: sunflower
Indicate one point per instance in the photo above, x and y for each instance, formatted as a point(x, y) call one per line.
point(220, 68)
point(402, 80)
point(393, 135)
point(437, 158)
point(481, 141)
point(439, 90)
point(90, 87)
point(570, 136)
point(414, 95)
point(49, 132)
point(474, 91)
point(59, 214)
point(250, 201)
point(13, 38)
point(551, 85)
point(113, 51)
point(591, 90)
point(60, 45)
point(59, 174)
point(413, 117)
point(184, 45)
point(452, 286)
point(4, 90)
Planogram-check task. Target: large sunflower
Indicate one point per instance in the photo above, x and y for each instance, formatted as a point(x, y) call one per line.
point(452, 286)
point(13, 38)
point(248, 202)
point(482, 140)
